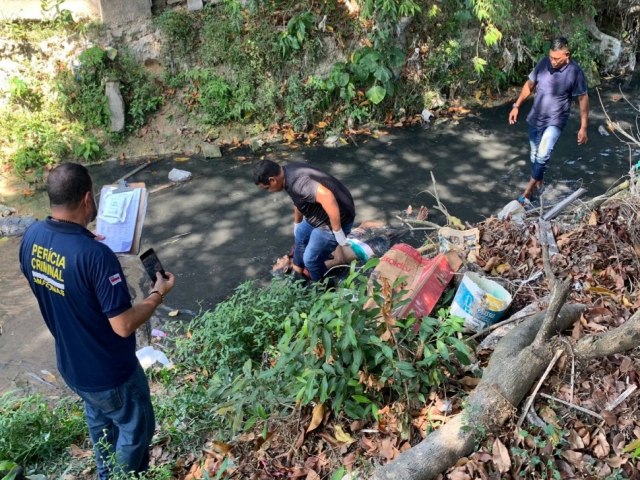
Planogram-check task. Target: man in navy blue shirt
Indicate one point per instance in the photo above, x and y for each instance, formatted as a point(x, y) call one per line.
point(556, 80)
point(84, 300)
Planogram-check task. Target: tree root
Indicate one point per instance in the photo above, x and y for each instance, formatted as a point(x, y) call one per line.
point(518, 360)
point(513, 368)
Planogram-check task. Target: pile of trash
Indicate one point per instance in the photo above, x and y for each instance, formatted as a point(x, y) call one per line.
point(595, 244)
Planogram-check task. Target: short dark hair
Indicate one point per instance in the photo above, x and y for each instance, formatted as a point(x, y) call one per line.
point(264, 170)
point(559, 43)
point(67, 184)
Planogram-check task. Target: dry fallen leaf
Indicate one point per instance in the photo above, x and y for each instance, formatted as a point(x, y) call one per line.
point(458, 474)
point(616, 462)
point(502, 268)
point(575, 441)
point(342, 436)
point(221, 447)
point(387, 449)
point(312, 475)
point(50, 377)
point(501, 457)
point(470, 381)
point(77, 452)
point(625, 365)
point(173, 313)
point(316, 417)
point(601, 291)
point(289, 136)
point(572, 457)
point(602, 447)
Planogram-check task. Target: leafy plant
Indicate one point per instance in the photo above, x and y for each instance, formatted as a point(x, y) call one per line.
point(245, 326)
point(389, 10)
point(294, 36)
point(21, 94)
point(305, 102)
point(181, 32)
point(37, 138)
point(33, 432)
point(633, 449)
point(368, 70)
point(82, 94)
point(543, 448)
point(216, 100)
point(342, 352)
point(87, 148)
point(59, 16)
point(492, 15)
point(563, 7)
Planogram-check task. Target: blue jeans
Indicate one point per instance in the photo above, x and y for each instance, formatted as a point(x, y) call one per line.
point(542, 141)
point(121, 420)
point(313, 246)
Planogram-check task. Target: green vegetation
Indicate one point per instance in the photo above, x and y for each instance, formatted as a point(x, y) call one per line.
point(48, 116)
point(251, 72)
point(297, 65)
point(36, 434)
point(542, 450)
point(82, 92)
point(257, 356)
point(338, 351)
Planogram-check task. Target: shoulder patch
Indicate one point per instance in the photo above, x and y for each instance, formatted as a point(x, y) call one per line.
point(115, 279)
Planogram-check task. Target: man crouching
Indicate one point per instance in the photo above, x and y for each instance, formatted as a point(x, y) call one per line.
point(323, 211)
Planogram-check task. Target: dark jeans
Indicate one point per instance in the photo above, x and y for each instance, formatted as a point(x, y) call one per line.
point(121, 420)
point(313, 246)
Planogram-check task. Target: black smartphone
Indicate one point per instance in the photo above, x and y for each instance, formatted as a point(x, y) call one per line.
point(152, 264)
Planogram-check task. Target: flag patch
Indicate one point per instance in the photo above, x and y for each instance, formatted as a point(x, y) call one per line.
point(115, 279)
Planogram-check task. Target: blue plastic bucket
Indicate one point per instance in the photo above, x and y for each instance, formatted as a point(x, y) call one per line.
point(480, 301)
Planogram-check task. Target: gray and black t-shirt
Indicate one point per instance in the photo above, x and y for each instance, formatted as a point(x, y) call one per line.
point(301, 183)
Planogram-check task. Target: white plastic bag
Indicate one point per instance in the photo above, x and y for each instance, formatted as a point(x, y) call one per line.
point(513, 209)
point(147, 356)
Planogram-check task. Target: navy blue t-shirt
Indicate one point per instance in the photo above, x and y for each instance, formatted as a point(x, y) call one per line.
point(79, 285)
point(554, 91)
point(301, 183)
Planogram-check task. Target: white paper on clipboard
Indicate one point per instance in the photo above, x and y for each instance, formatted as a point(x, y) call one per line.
point(121, 215)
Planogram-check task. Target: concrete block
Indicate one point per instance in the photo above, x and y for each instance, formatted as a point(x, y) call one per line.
point(116, 106)
point(193, 5)
point(118, 12)
point(209, 150)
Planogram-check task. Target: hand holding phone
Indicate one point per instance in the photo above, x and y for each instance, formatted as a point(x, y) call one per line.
point(152, 265)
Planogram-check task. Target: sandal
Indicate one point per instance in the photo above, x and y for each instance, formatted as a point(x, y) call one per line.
point(524, 201)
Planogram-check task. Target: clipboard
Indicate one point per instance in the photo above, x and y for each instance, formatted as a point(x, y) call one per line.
point(121, 213)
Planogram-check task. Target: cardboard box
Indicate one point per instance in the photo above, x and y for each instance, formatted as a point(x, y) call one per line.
point(428, 287)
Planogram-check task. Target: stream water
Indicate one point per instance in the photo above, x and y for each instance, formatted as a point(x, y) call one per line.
point(219, 229)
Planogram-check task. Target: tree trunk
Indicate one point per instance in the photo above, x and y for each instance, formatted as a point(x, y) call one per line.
point(513, 368)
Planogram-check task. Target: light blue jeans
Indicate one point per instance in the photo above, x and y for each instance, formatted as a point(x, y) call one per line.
point(121, 420)
point(542, 141)
point(313, 246)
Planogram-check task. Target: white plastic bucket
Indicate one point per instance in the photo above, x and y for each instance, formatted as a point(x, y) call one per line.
point(480, 301)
